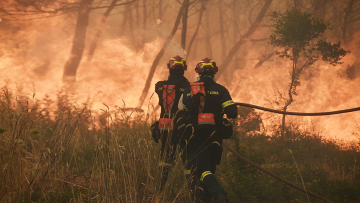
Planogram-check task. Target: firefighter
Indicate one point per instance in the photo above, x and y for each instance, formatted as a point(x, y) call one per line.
point(166, 129)
point(205, 102)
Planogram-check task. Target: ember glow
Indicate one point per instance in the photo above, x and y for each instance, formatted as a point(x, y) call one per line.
point(323, 88)
point(35, 63)
point(33, 54)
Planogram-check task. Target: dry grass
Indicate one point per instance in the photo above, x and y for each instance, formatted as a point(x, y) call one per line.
point(74, 155)
point(64, 160)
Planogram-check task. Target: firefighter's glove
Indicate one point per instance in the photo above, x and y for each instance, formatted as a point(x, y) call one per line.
point(155, 131)
point(226, 129)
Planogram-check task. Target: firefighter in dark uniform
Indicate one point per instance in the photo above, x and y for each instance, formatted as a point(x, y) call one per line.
point(205, 102)
point(169, 93)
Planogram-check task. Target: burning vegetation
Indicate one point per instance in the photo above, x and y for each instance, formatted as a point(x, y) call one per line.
point(78, 78)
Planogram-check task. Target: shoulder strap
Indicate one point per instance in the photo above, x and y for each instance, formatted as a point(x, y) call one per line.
point(168, 95)
point(198, 96)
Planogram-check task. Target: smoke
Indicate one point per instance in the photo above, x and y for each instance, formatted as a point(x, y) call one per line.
point(33, 55)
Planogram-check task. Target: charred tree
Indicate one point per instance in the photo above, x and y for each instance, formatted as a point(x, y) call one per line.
point(222, 31)
point(144, 13)
point(137, 14)
point(235, 27)
point(160, 9)
point(158, 57)
point(263, 59)
point(77, 50)
point(100, 30)
point(243, 39)
point(131, 23)
point(348, 11)
point(184, 24)
point(297, 4)
point(126, 19)
point(208, 36)
point(196, 31)
point(320, 8)
point(222, 38)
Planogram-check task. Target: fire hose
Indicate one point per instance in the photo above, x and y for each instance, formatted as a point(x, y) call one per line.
point(298, 113)
point(287, 113)
point(274, 175)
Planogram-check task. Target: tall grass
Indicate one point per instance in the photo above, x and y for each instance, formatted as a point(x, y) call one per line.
point(327, 168)
point(79, 157)
point(74, 155)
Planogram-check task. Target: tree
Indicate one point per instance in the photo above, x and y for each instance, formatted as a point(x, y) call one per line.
point(72, 64)
point(78, 42)
point(295, 33)
point(159, 55)
point(202, 9)
point(101, 29)
point(254, 26)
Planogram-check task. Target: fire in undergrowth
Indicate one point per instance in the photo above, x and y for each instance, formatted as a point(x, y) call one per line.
point(32, 59)
point(323, 88)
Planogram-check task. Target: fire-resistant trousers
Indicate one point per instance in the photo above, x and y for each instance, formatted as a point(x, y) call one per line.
point(202, 167)
point(167, 155)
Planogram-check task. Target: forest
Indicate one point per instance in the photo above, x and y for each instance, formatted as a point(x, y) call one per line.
point(77, 96)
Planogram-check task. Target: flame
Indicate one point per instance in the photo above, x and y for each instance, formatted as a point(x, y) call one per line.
point(323, 88)
point(115, 76)
point(33, 56)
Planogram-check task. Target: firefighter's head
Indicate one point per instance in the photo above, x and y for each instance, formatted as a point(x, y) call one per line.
point(177, 65)
point(206, 67)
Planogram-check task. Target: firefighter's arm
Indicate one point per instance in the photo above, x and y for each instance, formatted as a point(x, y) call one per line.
point(180, 104)
point(185, 99)
point(228, 105)
point(159, 87)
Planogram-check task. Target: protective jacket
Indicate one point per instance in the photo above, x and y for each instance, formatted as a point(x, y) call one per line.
point(180, 82)
point(205, 108)
point(217, 100)
point(169, 93)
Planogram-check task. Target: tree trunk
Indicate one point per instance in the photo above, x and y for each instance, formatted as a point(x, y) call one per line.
point(235, 30)
point(297, 4)
point(100, 30)
point(263, 59)
point(77, 50)
point(131, 23)
point(143, 35)
point(222, 34)
point(196, 31)
point(137, 14)
point(222, 39)
point(346, 20)
point(242, 40)
point(144, 13)
point(160, 9)
point(320, 8)
point(158, 57)
point(207, 36)
point(138, 39)
point(290, 100)
point(184, 24)
point(125, 20)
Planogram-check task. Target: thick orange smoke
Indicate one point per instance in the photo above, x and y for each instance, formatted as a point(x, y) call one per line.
point(33, 54)
point(323, 88)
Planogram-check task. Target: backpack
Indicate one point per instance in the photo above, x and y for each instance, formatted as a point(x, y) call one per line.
point(168, 97)
point(171, 121)
point(201, 120)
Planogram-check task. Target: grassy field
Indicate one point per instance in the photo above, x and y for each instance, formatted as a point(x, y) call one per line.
point(72, 155)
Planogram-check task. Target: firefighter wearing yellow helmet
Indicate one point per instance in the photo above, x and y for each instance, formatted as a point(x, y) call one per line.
point(169, 92)
point(205, 103)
